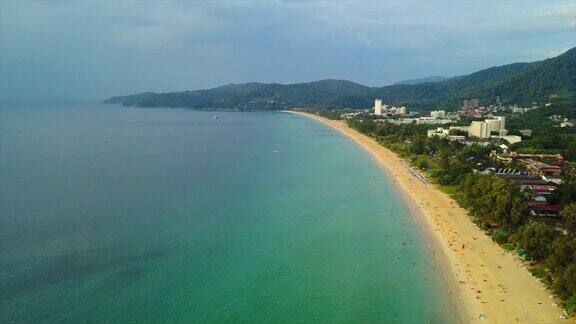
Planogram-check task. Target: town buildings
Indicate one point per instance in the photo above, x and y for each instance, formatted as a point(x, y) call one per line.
point(540, 177)
point(544, 209)
point(554, 159)
point(471, 108)
point(543, 166)
point(488, 127)
point(538, 168)
point(399, 110)
point(538, 188)
point(437, 114)
point(444, 133)
point(420, 121)
point(381, 109)
point(535, 185)
point(566, 123)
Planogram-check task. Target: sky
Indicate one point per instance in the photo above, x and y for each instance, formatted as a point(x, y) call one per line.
point(91, 50)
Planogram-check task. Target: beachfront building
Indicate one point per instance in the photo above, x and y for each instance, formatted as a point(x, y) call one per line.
point(538, 168)
point(544, 209)
point(535, 185)
point(539, 189)
point(552, 159)
point(552, 178)
point(378, 107)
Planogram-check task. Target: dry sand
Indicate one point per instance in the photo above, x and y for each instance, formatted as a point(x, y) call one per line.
point(482, 277)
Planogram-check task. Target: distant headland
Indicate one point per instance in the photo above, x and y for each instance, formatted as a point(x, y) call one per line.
point(518, 83)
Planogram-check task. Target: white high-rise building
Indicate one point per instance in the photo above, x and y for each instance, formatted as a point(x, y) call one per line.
point(484, 129)
point(502, 129)
point(497, 124)
point(479, 129)
point(378, 107)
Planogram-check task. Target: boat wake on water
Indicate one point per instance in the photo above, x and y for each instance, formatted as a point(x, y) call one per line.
point(266, 152)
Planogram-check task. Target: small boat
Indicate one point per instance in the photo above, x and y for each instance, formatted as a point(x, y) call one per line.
point(216, 116)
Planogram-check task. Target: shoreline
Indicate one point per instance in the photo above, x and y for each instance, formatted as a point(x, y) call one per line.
point(482, 278)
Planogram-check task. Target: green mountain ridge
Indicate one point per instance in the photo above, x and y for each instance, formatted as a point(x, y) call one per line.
point(435, 78)
point(516, 83)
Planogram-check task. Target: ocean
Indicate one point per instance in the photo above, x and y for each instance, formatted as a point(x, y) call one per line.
point(119, 215)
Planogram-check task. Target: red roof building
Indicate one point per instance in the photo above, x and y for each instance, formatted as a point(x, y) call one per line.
point(538, 208)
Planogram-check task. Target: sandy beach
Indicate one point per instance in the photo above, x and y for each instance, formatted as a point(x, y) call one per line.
point(487, 283)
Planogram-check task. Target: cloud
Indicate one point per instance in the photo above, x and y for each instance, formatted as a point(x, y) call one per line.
point(96, 49)
point(169, 23)
point(364, 39)
point(549, 53)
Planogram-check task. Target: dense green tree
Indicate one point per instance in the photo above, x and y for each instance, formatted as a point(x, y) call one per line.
point(565, 284)
point(536, 240)
point(568, 214)
point(421, 163)
point(418, 145)
point(565, 194)
point(562, 254)
point(569, 170)
point(570, 304)
point(494, 199)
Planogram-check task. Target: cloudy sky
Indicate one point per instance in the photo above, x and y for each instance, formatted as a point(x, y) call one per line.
point(96, 49)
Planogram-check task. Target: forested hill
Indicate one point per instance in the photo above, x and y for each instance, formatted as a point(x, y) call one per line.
point(259, 96)
point(517, 83)
point(423, 80)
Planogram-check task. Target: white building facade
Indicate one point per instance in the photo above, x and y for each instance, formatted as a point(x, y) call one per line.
point(437, 114)
point(484, 129)
point(378, 107)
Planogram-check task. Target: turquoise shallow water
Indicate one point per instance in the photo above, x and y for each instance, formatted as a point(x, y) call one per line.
point(124, 215)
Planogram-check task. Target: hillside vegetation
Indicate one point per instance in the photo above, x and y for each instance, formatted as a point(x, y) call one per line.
point(436, 78)
point(517, 83)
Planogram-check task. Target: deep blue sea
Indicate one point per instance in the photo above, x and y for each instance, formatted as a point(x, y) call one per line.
point(118, 215)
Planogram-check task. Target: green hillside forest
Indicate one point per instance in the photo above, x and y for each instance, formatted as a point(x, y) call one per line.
point(517, 83)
